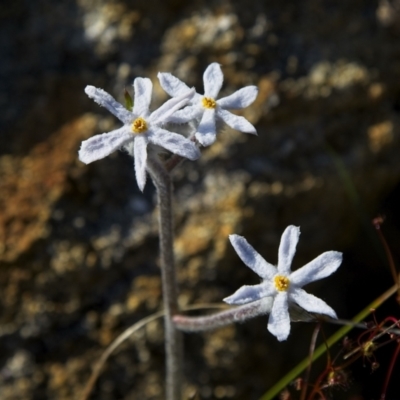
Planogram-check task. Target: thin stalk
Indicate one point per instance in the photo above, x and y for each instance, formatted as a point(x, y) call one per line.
point(389, 373)
point(110, 349)
point(173, 338)
point(222, 318)
point(235, 314)
point(308, 371)
point(126, 334)
point(377, 224)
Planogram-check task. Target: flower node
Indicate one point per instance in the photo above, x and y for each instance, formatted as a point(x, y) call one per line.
point(281, 283)
point(209, 102)
point(139, 125)
point(337, 378)
point(369, 348)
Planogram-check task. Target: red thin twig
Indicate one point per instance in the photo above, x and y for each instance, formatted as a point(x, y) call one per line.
point(312, 349)
point(377, 222)
point(389, 373)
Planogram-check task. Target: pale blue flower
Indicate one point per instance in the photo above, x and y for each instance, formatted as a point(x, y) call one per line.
point(140, 128)
point(206, 108)
point(280, 283)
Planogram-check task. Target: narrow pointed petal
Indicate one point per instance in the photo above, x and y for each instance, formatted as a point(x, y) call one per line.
point(104, 99)
point(140, 157)
point(213, 79)
point(163, 113)
point(247, 294)
point(321, 267)
point(287, 249)
point(236, 122)
point(187, 114)
point(206, 132)
point(311, 303)
point(251, 258)
point(100, 146)
point(175, 143)
point(171, 84)
point(279, 319)
point(143, 88)
point(240, 99)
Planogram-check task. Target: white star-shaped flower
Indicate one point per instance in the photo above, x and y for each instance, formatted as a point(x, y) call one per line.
point(140, 128)
point(206, 108)
point(280, 283)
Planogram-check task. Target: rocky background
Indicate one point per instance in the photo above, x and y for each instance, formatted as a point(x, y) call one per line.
point(78, 244)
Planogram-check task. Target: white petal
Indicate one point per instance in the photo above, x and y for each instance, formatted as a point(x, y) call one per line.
point(129, 147)
point(311, 303)
point(100, 146)
point(171, 84)
point(240, 99)
point(287, 248)
point(169, 107)
point(175, 143)
point(266, 304)
point(212, 79)
point(251, 258)
point(206, 132)
point(187, 114)
point(106, 100)
point(235, 122)
point(321, 267)
point(247, 294)
point(279, 319)
point(140, 151)
point(143, 90)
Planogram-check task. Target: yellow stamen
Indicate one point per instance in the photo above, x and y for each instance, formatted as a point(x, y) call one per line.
point(281, 283)
point(139, 125)
point(209, 102)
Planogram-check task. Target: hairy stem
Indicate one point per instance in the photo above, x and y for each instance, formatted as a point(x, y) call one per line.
point(236, 314)
point(222, 318)
point(173, 338)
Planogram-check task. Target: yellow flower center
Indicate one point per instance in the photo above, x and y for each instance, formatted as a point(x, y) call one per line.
point(281, 283)
point(209, 102)
point(139, 125)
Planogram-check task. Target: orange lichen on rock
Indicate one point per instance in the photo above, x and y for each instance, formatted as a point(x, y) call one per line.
point(30, 185)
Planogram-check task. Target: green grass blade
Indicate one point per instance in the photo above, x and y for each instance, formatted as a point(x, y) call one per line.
point(296, 371)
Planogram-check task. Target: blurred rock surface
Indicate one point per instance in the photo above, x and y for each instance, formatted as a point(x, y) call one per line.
point(79, 243)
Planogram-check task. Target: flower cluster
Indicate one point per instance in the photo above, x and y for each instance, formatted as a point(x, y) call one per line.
point(142, 128)
point(282, 285)
point(144, 131)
